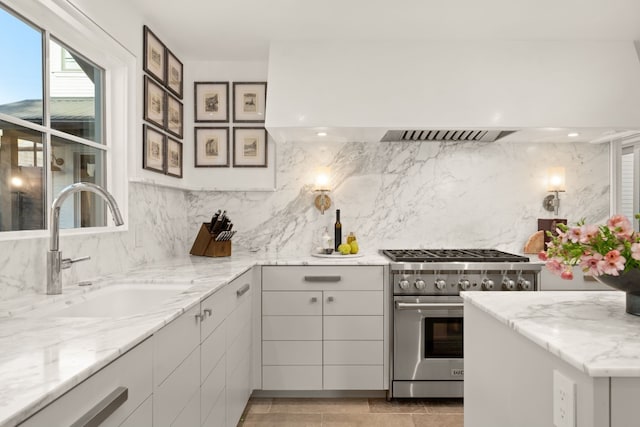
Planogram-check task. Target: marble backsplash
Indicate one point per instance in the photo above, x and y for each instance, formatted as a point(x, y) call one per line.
point(156, 213)
point(414, 194)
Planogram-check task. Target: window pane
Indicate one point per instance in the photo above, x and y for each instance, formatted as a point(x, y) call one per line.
point(21, 69)
point(76, 93)
point(22, 189)
point(73, 162)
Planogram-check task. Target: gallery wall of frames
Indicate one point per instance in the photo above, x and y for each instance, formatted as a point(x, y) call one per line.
point(163, 131)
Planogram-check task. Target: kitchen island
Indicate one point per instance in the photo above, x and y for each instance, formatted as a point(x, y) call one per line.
point(529, 354)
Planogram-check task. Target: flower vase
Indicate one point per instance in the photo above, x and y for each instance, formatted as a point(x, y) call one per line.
point(628, 282)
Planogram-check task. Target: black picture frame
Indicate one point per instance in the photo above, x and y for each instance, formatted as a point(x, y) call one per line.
point(155, 56)
point(155, 102)
point(153, 149)
point(210, 152)
point(249, 102)
point(250, 147)
point(174, 158)
point(174, 74)
point(211, 102)
point(174, 121)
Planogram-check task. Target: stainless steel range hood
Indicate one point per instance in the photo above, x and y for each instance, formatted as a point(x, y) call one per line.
point(482, 91)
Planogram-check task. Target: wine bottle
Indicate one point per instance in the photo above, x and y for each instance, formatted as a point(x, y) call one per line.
point(338, 230)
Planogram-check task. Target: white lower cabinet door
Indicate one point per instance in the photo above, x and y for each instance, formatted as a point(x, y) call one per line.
point(292, 353)
point(217, 417)
point(211, 388)
point(190, 415)
point(142, 416)
point(353, 377)
point(131, 371)
point(353, 328)
point(353, 353)
point(174, 394)
point(238, 390)
point(292, 377)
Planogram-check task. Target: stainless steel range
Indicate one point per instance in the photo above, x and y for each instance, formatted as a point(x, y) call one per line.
point(428, 311)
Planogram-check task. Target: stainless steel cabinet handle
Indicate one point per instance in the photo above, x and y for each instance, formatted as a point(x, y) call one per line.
point(208, 312)
point(419, 305)
point(322, 278)
point(330, 299)
point(107, 406)
point(314, 299)
point(243, 290)
point(199, 317)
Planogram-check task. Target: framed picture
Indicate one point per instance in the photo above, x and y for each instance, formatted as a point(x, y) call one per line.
point(154, 102)
point(174, 116)
point(153, 143)
point(211, 101)
point(154, 55)
point(212, 147)
point(174, 74)
point(174, 158)
point(249, 101)
point(250, 147)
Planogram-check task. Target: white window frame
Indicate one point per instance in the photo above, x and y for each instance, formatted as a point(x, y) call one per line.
point(69, 26)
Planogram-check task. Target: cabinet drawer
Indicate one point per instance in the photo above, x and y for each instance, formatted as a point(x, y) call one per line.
point(175, 393)
point(212, 387)
point(353, 328)
point(239, 349)
point(237, 320)
point(190, 415)
point(353, 377)
point(238, 390)
point(218, 303)
point(353, 353)
point(292, 352)
point(239, 290)
point(317, 278)
point(141, 417)
point(132, 370)
point(292, 303)
point(292, 378)
point(353, 303)
point(292, 328)
point(173, 343)
point(212, 350)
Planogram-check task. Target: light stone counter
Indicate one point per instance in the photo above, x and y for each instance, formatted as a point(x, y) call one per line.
point(43, 357)
point(589, 330)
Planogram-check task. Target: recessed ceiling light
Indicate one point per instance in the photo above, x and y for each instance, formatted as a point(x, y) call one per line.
point(573, 134)
point(321, 134)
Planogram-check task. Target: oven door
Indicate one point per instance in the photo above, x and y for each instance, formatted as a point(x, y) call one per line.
point(428, 338)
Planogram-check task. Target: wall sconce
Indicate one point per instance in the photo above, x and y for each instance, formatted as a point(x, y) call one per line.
point(555, 184)
point(322, 200)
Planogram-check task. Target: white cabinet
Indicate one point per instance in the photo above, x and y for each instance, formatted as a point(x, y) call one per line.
point(323, 328)
point(131, 372)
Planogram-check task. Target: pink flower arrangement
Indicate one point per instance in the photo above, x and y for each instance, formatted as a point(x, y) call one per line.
point(610, 249)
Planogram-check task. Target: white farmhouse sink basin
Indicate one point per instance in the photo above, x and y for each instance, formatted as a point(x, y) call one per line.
point(115, 301)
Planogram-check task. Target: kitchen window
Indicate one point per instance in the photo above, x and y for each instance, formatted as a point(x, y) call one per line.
point(53, 132)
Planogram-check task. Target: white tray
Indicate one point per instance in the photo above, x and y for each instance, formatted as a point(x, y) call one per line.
point(336, 255)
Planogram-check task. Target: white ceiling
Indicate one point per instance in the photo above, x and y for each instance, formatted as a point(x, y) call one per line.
point(242, 29)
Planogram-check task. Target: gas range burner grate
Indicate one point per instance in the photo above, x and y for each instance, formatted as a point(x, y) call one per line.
point(452, 255)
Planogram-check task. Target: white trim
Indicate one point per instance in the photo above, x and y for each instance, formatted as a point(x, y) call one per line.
point(615, 153)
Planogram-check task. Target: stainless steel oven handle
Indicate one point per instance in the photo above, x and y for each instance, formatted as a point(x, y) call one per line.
point(419, 305)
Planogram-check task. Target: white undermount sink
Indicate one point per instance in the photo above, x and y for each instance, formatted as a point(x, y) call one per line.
point(119, 300)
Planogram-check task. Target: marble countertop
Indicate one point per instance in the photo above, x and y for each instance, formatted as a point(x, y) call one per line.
point(589, 330)
point(43, 357)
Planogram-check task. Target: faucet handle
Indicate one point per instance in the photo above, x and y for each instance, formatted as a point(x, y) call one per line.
point(66, 262)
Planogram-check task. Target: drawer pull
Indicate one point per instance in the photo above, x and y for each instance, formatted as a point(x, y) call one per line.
point(199, 317)
point(314, 299)
point(208, 312)
point(330, 299)
point(107, 406)
point(243, 290)
point(322, 278)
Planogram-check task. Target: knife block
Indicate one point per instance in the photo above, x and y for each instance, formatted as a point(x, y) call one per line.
point(206, 245)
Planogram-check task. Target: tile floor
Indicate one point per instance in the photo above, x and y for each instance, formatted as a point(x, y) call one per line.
point(279, 412)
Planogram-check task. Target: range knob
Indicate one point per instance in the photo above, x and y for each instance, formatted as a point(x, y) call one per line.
point(464, 284)
point(419, 284)
point(508, 284)
point(440, 284)
point(404, 284)
point(487, 284)
point(524, 284)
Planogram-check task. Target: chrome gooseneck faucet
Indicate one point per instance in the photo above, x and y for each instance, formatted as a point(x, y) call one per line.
point(55, 263)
